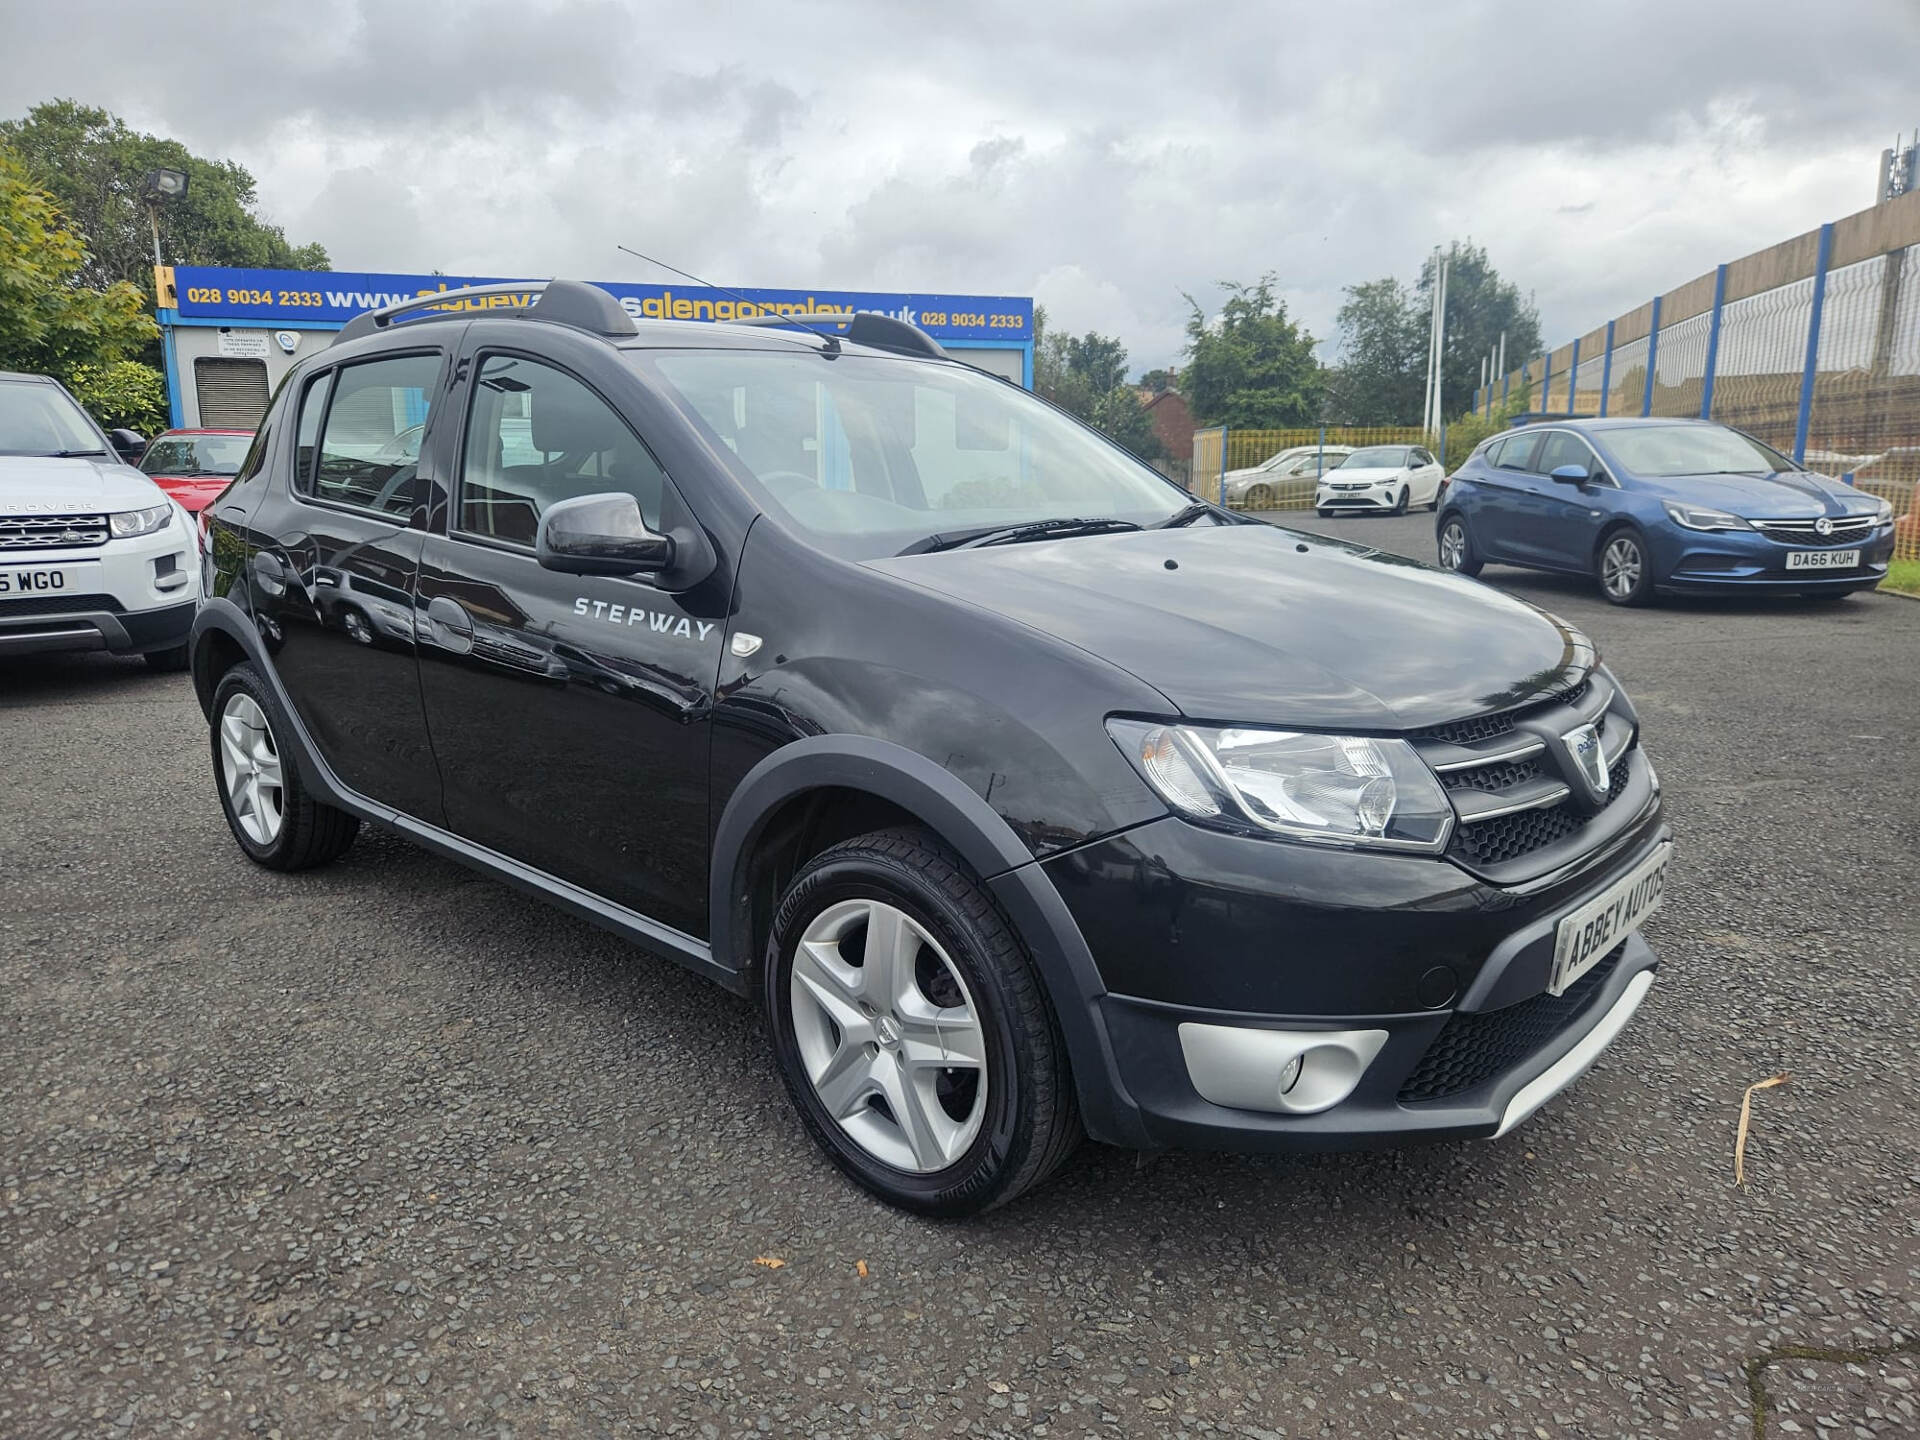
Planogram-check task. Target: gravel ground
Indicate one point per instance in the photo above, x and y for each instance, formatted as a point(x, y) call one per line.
point(388, 1149)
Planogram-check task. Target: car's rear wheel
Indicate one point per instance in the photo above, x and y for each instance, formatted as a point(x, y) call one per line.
point(1622, 568)
point(1259, 497)
point(1456, 548)
point(276, 821)
point(913, 1032)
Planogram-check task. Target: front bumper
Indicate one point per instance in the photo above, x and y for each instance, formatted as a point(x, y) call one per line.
point(1436, 975)
point(128, 596)
point(1374, 497)
point(87, 624)
point(1734, 560)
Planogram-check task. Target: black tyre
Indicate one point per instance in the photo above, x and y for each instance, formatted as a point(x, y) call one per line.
point(1622, 568)
point(912, 1030)
point(171, 661)
point(276, 821)
point(1400, 505)
point(1456, 548)
point(1323, 513)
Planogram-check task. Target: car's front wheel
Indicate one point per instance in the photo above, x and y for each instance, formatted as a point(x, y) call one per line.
point(1259, 497)
point(1456, 548)
point(277, 822)
point(1400, 505)
point(913, 1032)
point(1621, 567)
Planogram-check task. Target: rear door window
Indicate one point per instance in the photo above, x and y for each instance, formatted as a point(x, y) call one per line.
point(1518, 453)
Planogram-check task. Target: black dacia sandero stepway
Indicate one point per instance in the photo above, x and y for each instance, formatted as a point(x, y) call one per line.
point(1030, 797)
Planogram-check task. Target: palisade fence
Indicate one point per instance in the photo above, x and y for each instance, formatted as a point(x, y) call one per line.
point(1812, 346)
point(1223, 449)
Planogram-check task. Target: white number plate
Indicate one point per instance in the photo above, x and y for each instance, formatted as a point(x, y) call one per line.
point(35, 580)
point(1822, 559)
point(1604, 921)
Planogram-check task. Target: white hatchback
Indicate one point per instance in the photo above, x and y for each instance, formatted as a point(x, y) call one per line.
point(1394, 478)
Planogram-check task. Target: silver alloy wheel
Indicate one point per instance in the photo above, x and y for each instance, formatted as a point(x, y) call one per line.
point(250, 768)
point(1453, 545)
point(1620, 566)
point(889, 1035)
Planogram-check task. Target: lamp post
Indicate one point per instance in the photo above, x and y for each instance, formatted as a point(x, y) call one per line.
point(157, 187)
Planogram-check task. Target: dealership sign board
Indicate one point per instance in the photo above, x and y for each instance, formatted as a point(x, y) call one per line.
point(333, 297)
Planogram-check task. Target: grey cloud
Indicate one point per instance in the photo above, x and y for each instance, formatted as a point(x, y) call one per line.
point(1105, 157)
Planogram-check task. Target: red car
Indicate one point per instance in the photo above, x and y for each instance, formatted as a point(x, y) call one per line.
point(193, 466)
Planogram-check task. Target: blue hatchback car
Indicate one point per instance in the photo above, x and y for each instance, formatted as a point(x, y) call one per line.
point(1646, 505)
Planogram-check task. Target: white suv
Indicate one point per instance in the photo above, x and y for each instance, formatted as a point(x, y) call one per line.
point(93, 554)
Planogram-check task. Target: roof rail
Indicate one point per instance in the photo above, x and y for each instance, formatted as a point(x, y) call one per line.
point(565, 302)
point(862, 327)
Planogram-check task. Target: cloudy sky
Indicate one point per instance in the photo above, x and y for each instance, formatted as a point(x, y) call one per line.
point(1101, 157)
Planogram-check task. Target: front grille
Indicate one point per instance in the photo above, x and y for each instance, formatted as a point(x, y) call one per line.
point(60, 604)
point(1508, 837)
point(1471, 1050)
point(1503, 775)
point(1485, 727)
point(52, 532)
point(1801, 532)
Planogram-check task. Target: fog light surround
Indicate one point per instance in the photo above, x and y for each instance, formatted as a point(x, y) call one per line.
point(1284, 1072)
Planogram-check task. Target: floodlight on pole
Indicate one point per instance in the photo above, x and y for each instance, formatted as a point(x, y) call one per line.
point(157, 187)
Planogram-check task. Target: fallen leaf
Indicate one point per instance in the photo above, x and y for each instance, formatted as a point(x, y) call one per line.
point(1746, 1117)
point(861, 1266)
point(772, 1262)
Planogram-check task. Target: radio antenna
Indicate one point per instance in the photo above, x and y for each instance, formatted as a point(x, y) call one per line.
point(832, 340)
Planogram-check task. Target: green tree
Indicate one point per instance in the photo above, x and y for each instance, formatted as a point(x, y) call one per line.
point(1158, 382)
point(124, 393)
point(50, 321)
point(1086, 376)
point(1253, 367)
point(1480, 307)
point(1382, 371)
point(91, 163)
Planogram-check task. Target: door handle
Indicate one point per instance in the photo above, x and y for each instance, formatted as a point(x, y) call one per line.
point(452, 626)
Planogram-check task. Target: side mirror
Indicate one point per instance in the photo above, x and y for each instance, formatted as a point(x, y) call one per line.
point(601, 535)
point(1570, 475)
point(129, 445)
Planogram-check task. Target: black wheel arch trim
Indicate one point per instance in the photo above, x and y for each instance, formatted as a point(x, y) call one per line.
point(226, 618)
point(961, 818)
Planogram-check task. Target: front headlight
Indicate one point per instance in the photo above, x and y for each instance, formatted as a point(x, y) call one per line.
point(1331, 789)
point(127, 523)
point(1882, 512)
point(1699, 517)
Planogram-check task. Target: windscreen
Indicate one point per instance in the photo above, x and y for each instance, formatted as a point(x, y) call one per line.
point(1379, 457)
point(872, 455)
point(37, 419)
point(1656, 450)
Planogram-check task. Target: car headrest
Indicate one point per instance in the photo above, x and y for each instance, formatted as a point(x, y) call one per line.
point(568, 417)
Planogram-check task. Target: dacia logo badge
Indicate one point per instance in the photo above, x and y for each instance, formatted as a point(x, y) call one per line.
point(1583, 747)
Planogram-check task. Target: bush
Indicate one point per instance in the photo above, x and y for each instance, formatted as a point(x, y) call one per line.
point(1470, 429)
point(123, 394)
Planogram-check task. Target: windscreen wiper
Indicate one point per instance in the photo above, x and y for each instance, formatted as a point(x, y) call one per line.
point(72, 454)
point(1014, 534)
point(1186, 515)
